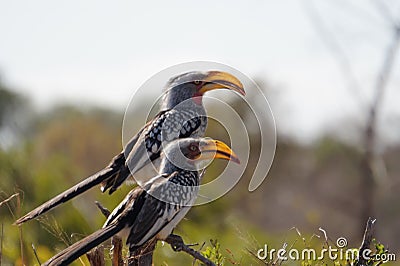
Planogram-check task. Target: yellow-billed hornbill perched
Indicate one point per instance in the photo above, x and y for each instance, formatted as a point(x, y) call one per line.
point(182, 115)
point(154, 211)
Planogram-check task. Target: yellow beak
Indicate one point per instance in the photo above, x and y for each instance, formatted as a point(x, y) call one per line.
point(221, 80)
point(217, 149)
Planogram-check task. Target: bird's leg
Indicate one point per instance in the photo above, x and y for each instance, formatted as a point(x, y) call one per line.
point(103, 209)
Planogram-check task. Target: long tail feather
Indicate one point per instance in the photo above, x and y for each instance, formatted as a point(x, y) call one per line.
point(79, 248)
point(69, 194)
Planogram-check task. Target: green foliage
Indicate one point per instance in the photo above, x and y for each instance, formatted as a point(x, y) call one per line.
point(213, 253)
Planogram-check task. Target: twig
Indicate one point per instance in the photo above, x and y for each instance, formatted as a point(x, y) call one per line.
point(385, 11)
point(368, 235)
point(116, 243)
point(103, 209)
point(366, 168)
point(21, 239)
point(255, 256)
point(36, 255)
point(96, 256)
point(386, 71)
point(343, 61)
point(54, 228)
point(177, 245)
point(201, 247)
point(8, 199)
point(372, 108)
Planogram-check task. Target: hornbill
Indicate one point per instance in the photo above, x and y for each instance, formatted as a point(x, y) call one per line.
point(152, 212)
point(182, 115)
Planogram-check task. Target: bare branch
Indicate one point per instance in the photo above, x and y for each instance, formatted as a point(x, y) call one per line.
point(177, 245)
point(358, 11)
point(385, 72)
point(372, 108)
point(368, 235)
point(8, 199)
point(366, 168)
point(103, 209)
point(337, 51)
point(384, 11)
point(96, 256)
point(35, 253)
point(117, 259)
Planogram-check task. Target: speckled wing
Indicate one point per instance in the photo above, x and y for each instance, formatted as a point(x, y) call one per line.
point(142, 153)
point(154, 215)
point(166, 125)
point(131, 204)
point(165, 214)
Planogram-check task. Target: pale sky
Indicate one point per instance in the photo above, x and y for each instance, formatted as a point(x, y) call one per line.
point(98, 51)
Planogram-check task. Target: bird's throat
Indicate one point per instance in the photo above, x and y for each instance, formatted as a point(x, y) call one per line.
point(198, 99)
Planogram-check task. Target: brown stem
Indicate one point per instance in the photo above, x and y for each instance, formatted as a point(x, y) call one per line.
point(96, 256)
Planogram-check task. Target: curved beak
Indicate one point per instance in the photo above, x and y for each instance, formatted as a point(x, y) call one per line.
point(221, 80)
point(217, 149)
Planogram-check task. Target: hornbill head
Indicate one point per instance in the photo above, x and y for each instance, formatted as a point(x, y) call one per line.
point(193, 85)
point(191, 153)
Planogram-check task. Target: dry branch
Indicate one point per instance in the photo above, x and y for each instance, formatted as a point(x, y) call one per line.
point(177, 245)
point(367, 182)
point(96, 256)
point(367, 239)
point(8, 199)
point(117, 259)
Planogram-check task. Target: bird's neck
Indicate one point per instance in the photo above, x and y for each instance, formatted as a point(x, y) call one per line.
point(173, 100)
point(186, 178)
point(191, 177)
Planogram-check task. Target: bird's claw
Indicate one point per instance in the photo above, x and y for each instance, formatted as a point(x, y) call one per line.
point(176, 242)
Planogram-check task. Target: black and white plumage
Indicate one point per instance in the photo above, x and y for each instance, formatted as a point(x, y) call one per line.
point(152, 212)
point(182, 115)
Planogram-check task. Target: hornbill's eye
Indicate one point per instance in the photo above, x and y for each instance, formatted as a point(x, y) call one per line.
point(197, 82)
point(193, 148)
